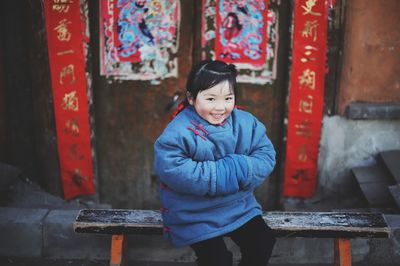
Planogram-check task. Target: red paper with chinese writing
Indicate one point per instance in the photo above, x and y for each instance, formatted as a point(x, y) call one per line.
point(67, 67)
point(306, 97)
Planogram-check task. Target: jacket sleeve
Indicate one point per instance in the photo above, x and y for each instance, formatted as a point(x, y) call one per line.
point(184, 175)
point(260, 159)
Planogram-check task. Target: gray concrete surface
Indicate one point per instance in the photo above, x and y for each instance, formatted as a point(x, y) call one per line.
point(136, 263)
point(21, 231)
point(61, 242)
point(350, 143)
point(37, 230)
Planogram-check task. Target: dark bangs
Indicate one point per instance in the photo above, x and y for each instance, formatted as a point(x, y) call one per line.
point(209, 73)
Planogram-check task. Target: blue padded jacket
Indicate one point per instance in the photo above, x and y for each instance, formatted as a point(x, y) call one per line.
point(208, 174)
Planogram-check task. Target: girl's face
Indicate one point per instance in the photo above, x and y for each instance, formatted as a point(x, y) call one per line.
point(214, 104)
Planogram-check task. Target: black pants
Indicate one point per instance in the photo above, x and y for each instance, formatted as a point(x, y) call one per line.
point(255, 240)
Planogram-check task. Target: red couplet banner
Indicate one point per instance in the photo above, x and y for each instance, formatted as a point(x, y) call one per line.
point(306, 97)
point(67, 67)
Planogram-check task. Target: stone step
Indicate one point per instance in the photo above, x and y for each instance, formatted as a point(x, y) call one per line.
point(374, 183)
point(391, 161)
point(395, 191)
point(372, 174)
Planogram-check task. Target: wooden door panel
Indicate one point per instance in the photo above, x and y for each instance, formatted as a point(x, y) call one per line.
point(267, 101)
point(130, 115)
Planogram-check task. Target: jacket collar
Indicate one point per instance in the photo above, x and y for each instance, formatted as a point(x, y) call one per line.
point(195, 119)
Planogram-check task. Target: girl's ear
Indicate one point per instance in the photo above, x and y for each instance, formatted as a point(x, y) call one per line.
point(189, 98)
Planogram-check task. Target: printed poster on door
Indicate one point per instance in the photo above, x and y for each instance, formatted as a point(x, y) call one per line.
point(139, 39)
point(242, 32)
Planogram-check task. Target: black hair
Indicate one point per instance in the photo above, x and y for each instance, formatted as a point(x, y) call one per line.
point(236, 18)
point(209, 73)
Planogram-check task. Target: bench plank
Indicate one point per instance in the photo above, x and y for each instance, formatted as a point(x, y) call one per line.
point(285, 224)
point(328, 224)
point(114, 221)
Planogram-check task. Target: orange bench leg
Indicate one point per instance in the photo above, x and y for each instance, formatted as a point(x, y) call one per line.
point(118, 250)
point(342, 252)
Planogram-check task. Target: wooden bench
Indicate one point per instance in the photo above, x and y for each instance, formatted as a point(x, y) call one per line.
point(337, 225)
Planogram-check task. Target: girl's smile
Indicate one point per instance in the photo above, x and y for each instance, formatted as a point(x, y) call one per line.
point(214, 104)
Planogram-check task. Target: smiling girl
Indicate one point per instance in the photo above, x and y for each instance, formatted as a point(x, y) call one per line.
point(209, 159)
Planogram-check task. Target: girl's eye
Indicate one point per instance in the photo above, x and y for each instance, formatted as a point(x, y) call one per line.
point(210, 99)
point(229, 98)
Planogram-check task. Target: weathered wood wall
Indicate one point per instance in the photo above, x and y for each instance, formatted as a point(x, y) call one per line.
point(18, 90)
point(3, 114)
point(29, 124)
point(46, 152)
point(130, 115)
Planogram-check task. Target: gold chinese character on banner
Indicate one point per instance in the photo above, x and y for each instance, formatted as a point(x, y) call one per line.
point(310, 30)
point(67, 71)
point(63, 34)
point(308, 8)
point(65, 52)
point(307, 79)
point(303, 128)
point(61, 5)
point(299, 176)
point(74, 153)
point(306, 105)
point(78, 178)
point(72, 127)
point(70, 101)
point(302, 153)
point(308, 54)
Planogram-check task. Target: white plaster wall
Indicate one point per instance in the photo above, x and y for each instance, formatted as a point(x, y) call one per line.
point(349, 143)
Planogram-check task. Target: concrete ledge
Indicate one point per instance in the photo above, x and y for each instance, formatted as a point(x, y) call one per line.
point(393, 220)
point(21, 232)
point(360, 110)
point(61, 242)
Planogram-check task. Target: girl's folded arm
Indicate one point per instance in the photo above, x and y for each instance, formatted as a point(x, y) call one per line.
point(261, 158)
point(184, 175)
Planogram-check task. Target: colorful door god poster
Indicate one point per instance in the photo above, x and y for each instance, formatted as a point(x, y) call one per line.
point(139, 38)
point(306, 97)
point(241, 31)
point(68, 78)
